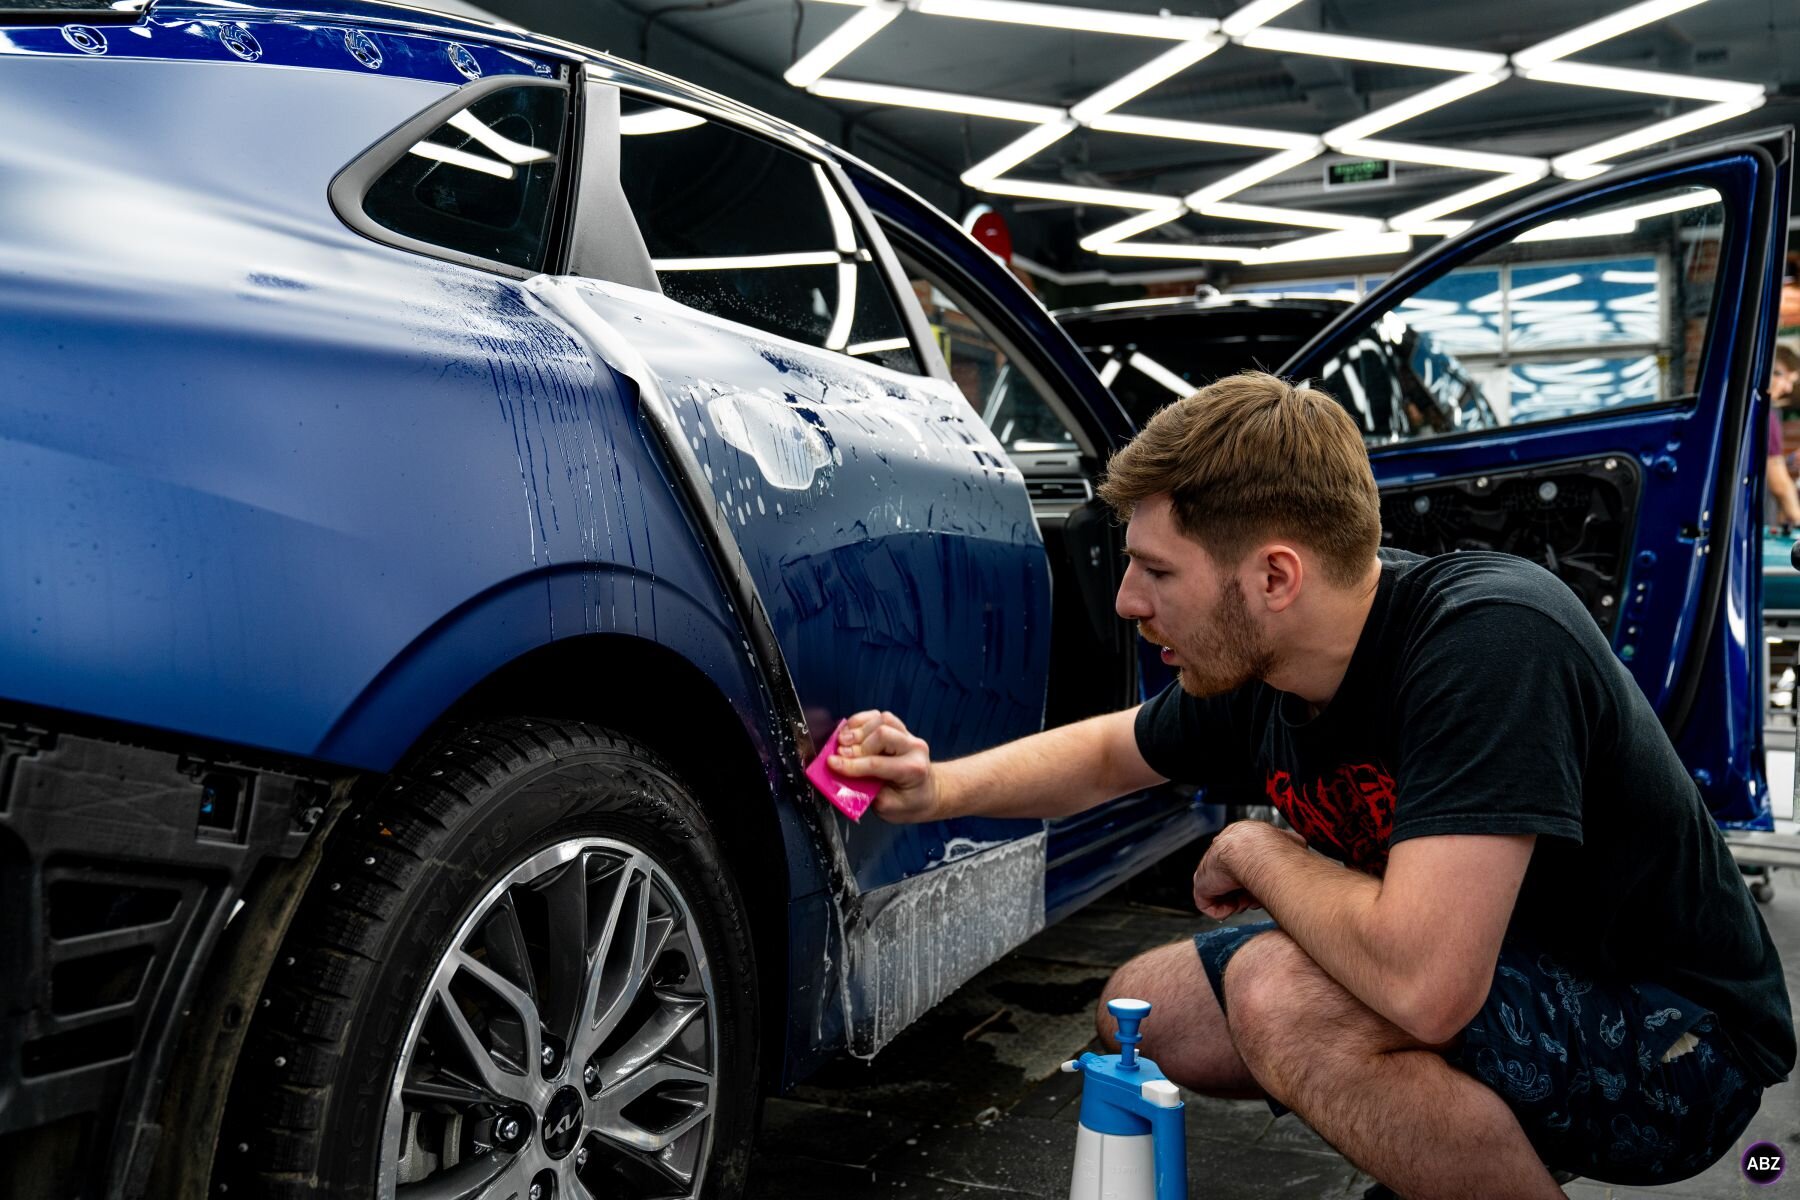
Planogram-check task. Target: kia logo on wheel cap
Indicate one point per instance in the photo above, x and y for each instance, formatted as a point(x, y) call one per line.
point(562, 1122)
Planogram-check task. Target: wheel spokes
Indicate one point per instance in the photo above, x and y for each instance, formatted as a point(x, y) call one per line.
point(524, 1011)
point(486, 1178)
point(489, 1074)
point(680, 1108)
point(563, 962)
point(579, 969)
point(672, 1015)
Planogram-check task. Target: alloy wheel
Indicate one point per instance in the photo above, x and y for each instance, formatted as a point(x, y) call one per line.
point(566, 1046)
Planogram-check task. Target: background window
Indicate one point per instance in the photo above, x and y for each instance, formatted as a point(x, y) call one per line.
point(482, 183)
point(1578, 316)
point(1009, 403)
point(745, 230)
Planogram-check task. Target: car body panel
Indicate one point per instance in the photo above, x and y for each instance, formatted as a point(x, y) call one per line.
point(888, 575)
point(1093, 851)
point(252, 411)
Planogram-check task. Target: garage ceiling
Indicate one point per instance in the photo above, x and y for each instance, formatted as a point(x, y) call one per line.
point(1125, 138)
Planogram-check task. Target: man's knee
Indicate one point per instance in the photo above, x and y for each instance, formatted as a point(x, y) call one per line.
point(1270, 989)
point(1161, 976)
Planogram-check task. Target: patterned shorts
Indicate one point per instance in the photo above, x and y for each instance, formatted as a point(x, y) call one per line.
point(1581, 1065)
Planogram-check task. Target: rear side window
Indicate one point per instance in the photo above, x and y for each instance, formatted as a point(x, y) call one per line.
point(478, 182)
point(749, 231)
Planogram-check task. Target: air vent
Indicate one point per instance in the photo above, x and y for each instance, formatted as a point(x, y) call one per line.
point(1071, 490)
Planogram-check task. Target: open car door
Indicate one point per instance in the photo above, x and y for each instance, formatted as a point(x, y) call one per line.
point(1582, 380)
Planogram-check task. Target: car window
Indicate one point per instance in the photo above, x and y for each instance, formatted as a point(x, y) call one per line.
point(995, 385)
point(1154, 359)
point(1579, 316)
point(746, 230)
point(482, 184)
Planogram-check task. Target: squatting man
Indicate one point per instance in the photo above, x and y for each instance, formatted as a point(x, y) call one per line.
point(1505, 937)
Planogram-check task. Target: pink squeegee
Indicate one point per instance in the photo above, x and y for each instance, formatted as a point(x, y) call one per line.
point(851, 797)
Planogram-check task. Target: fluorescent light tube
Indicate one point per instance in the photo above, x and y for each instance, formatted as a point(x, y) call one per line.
point(658, 120)
point(1110, 371)
point(750, 262)
point(1017, 151)
point(462, 158)
point(1072, 194)
point(1611, 26)
point(838, 45)
point(1610, 225)
point(1132, 226)
point(1255, 173)
point(843, 231)
point(1649, 135)
point(1193, 251)
point(1146, 365)
point(1201, 131)
point(1163, 67)
point(1457, 201)
point(1252, 15)
point(1447, 92)
point(839, 336)
point(1437, 228)
point(1404, 54)
point(1342, 244)
point(1056, 16)
point(1491, 301)
point(1652, 83)
point(1443, 156)
point(1272, 215)
point(861, 348)
point(905, 97)
point(516, 153)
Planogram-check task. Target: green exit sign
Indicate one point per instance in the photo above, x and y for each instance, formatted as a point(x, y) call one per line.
point(1358, 172)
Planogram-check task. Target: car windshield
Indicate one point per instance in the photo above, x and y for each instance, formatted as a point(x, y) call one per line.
point(1152, 358)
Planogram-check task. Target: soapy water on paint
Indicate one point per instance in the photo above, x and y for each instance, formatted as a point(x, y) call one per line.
point(787, 449)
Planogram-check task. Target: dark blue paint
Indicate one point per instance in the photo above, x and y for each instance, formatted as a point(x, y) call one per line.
point(899, 569)
point(210, 34)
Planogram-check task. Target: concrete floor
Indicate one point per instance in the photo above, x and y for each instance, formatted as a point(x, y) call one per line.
point(969, 1102)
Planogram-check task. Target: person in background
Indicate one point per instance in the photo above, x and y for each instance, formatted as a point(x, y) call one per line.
point(1782, 506)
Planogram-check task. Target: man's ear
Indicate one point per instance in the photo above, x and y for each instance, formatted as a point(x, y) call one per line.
point(1279, 575)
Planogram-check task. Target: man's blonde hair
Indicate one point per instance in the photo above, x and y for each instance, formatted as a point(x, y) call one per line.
point(1251, 457)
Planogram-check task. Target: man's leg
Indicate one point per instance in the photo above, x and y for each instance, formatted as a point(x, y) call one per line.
point(1389, 1104)
point(1186, 1034)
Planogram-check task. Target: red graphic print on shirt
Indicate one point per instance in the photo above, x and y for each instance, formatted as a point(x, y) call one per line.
point(1350, 809)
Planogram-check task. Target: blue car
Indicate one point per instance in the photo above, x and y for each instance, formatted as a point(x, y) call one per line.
point(455, 483)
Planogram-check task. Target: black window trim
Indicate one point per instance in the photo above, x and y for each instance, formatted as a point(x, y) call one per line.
point(350, 185)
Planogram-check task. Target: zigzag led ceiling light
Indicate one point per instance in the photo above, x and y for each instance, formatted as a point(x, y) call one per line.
point(1192, 39)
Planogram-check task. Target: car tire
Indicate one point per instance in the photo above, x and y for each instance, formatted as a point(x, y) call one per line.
point(526, 889)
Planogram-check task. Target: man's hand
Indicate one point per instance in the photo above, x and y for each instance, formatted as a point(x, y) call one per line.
point(876, 745)
point(1217, 890)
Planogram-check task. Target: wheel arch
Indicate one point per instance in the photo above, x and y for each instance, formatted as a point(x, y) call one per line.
point(674, 708)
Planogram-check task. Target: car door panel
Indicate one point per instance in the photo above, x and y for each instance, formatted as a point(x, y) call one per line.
point(891, 545)
point(1094, 850)
point(1683, 584)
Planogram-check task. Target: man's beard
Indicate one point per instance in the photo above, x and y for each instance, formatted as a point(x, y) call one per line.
point(1228, 653)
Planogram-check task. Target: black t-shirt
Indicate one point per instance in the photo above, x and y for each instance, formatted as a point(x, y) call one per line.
point(1482, 699)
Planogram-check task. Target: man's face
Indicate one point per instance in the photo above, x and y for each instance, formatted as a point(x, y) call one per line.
point(1781, 384)
point(1190, 606)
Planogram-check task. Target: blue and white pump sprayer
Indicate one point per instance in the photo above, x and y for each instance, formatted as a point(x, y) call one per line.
point(1132, 1143)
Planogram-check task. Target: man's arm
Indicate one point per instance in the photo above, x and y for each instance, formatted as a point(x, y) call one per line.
point(1051, 774)
point(1417, 946)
